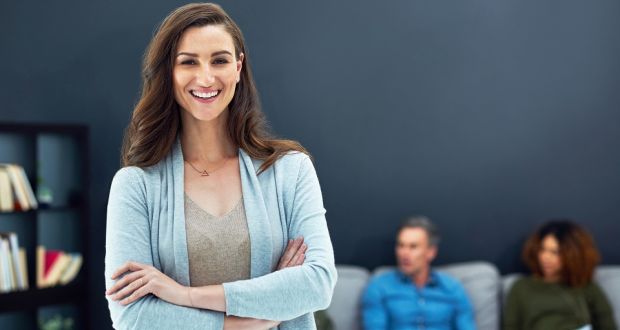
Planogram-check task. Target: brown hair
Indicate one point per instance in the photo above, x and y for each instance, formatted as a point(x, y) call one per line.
point(578, 252)
point(156, 119)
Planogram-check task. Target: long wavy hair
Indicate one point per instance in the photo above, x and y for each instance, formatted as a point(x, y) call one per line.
point(156, 118)
point(578, 252)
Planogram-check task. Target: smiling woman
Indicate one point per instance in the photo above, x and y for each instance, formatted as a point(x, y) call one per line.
point(212, 223)
point(206, 71)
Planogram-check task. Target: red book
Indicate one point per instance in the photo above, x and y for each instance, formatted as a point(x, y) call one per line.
point(51, 256)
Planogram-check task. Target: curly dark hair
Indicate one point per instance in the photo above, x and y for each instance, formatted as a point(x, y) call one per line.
point(578, 252)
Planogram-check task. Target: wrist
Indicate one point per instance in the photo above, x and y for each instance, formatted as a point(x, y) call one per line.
point(190, 302)
point(208, 297)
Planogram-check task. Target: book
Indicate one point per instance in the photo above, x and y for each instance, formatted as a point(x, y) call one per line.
point(40, 265)
point(55, 271)
point(16, 275)
point(2, 287)
point(18, 187)
point(6, 194)
point(51, 257)
point(72, 270)
point(32, 200)
point(7, 272)
point(23, 267)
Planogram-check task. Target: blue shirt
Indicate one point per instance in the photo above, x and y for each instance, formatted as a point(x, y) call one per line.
point(393, 301)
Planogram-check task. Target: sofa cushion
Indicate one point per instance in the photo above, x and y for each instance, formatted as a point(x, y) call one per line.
point(608, 278)
point(481, 280)
point(344, 310)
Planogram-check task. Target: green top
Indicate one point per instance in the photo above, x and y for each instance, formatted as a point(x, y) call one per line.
point(534, 304)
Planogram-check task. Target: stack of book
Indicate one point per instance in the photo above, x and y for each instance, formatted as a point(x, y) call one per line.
point(55, 267)
point(13, 267)
point(16, 193)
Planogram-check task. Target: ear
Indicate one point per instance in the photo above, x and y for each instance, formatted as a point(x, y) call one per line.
point(431, 253)
point(240, 64)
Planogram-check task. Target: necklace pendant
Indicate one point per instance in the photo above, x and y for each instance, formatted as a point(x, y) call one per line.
point(204, 173)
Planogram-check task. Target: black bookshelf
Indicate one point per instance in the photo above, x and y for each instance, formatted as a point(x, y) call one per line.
point(36, 298)
point(70, 215)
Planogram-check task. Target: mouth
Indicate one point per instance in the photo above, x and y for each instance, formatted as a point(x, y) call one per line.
point(205, 96)
point(547, 267)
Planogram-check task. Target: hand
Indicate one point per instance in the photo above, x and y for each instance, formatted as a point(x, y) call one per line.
point(294, 254)
point(141, 280)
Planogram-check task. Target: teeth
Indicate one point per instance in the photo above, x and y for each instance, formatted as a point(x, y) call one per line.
point(205, 95)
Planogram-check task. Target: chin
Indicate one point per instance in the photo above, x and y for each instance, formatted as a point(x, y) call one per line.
point(208, 115)
point(406, 270)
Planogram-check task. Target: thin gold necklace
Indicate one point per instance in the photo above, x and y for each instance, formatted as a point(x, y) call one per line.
point(204, 172)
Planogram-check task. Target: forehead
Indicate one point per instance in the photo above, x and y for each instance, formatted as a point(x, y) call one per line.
point(208, 38)
point(413, 236)
point(550, 242)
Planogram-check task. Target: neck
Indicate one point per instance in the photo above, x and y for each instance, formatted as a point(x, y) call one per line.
point(206, 141)
point(551, 279)
point(420, 278)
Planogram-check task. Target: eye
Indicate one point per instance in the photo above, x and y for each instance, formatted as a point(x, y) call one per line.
point(220, 61)
point(188, 62)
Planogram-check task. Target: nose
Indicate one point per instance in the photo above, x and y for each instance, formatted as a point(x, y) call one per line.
point(204, 76)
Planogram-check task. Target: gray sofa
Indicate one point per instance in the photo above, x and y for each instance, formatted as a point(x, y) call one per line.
point(485, 286)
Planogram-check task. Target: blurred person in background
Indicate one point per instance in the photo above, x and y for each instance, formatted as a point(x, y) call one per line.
point(415, 296)
point(560, 293)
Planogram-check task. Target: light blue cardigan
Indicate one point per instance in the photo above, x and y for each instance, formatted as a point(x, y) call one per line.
point(146, 224)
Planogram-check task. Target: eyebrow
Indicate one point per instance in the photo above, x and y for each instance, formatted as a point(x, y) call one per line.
point(221, 52)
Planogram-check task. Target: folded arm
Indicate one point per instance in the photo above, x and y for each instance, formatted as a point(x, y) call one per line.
point(128, 239)
point(292, 292)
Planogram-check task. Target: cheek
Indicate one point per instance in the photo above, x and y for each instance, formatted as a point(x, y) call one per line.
point(179, 79)
point(557, 261)
point(230, 78)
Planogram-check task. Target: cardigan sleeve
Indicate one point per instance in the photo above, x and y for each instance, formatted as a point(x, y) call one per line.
point(292, 292)
point(128, 239)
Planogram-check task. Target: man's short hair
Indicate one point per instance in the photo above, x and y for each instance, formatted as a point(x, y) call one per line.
point(420, 221)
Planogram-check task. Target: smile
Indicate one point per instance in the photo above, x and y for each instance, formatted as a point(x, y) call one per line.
point(205, 95)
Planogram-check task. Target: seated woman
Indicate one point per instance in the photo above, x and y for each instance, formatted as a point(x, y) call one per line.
point(560, 293)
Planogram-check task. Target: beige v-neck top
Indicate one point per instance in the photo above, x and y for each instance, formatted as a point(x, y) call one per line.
point(218, 247)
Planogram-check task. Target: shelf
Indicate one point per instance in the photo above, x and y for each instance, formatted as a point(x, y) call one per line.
point(55, 156)
point(35, 298)
point(46, 209)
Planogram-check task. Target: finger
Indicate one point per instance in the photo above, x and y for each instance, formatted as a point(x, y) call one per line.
point(128, 266)
point(281, 263)
point(302, 250)
point(299, 257)
point(290, 252)
point(139, 293)
point(300, 260)
point(124, 281)
point(130, 289)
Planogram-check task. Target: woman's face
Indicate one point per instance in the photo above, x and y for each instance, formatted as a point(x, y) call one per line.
point(205, 71)
point(549, 258)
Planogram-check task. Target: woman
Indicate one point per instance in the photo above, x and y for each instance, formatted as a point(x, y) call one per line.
point(200, 215)
point(560, 294)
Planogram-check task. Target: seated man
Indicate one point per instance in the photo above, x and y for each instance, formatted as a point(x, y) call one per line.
point(415, 296)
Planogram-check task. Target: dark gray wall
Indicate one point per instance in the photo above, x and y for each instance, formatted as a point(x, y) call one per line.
point(487, 116)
